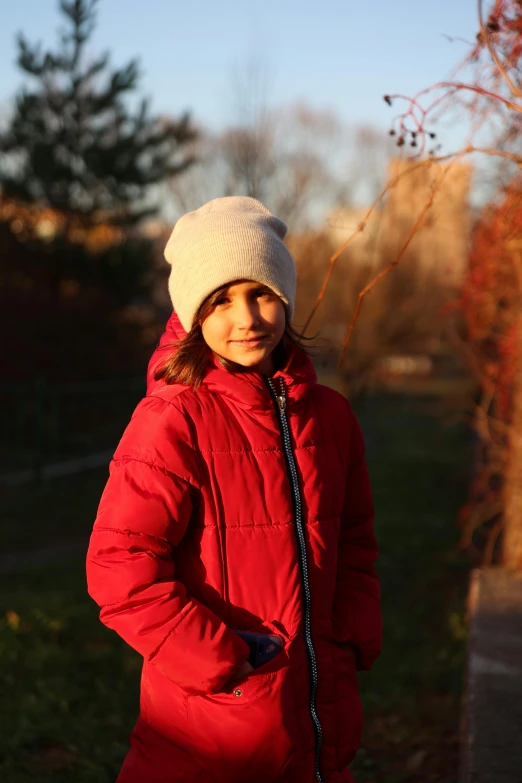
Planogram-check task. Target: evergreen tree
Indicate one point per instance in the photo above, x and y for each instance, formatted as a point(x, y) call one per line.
point(72, 142)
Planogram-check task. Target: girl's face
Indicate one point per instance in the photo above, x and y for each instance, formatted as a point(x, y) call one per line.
point(246, 324)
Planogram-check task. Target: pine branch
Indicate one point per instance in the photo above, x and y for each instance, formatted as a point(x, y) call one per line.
point(72, 142)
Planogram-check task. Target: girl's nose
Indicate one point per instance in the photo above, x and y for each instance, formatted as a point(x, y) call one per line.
point(246, 314)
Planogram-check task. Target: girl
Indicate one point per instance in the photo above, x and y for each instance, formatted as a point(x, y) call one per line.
point(234, 545)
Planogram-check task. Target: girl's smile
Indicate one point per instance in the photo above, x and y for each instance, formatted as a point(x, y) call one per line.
point(249, 342)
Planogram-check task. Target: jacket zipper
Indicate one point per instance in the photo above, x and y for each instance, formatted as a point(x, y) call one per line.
point(280, 403)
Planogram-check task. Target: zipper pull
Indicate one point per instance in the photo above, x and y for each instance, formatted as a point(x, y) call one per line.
point(282, 397)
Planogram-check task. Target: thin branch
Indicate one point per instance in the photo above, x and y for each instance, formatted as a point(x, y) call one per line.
point(485, 37)
point(454, 87)
point(427, 162)
point(497, 153)
point(362, 225)
point(489, 549)
point(481, 513)
point(452, 38)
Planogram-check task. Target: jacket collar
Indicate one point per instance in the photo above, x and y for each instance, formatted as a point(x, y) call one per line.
point(247, 389)
point(250, 389)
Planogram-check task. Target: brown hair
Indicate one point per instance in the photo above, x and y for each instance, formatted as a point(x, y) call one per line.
point(191, 356)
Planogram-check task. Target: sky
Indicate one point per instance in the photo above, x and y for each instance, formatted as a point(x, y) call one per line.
point(337, 55)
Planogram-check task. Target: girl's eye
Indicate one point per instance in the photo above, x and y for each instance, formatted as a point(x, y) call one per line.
point(221, 301)
point(263, 293)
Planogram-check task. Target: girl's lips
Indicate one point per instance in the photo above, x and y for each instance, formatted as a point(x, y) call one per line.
point(253, 343)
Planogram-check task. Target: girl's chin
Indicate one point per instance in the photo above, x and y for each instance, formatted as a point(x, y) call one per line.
point(252, 360)
point(248, 355)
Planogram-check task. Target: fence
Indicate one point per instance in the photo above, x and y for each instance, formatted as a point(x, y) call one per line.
point(42, 424)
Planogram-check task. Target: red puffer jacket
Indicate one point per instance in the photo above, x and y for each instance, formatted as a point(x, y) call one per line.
point(236, 508)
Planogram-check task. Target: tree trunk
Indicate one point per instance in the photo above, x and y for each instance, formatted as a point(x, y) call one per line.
point(512, 542)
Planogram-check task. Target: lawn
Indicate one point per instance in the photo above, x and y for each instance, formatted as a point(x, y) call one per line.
point(69, 690)
point(419, 473)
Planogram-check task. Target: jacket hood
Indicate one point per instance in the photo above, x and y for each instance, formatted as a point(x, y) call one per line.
point(172, 334)
point(247, 389)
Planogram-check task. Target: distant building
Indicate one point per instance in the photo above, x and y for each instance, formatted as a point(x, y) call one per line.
point(442, 241)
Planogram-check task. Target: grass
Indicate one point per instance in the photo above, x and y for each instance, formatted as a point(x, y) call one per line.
point(412, 695)
point(69, 689)
point(68, 692)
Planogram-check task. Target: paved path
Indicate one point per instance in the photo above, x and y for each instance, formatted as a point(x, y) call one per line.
point(492, 751)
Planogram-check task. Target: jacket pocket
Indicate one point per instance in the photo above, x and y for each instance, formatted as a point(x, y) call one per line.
point(239, 692)
point(246, 731)
point(349, 707)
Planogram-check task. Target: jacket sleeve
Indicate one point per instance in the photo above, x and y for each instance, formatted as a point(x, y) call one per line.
point(143, 515)
point(357, 610)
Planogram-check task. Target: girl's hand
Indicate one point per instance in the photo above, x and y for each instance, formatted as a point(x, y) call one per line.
point(244, 671)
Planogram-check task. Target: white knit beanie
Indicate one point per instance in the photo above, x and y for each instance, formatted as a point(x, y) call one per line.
point(228, 239)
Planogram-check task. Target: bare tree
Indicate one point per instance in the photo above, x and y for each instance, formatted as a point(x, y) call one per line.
point(370, 152)
point(299, 160)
